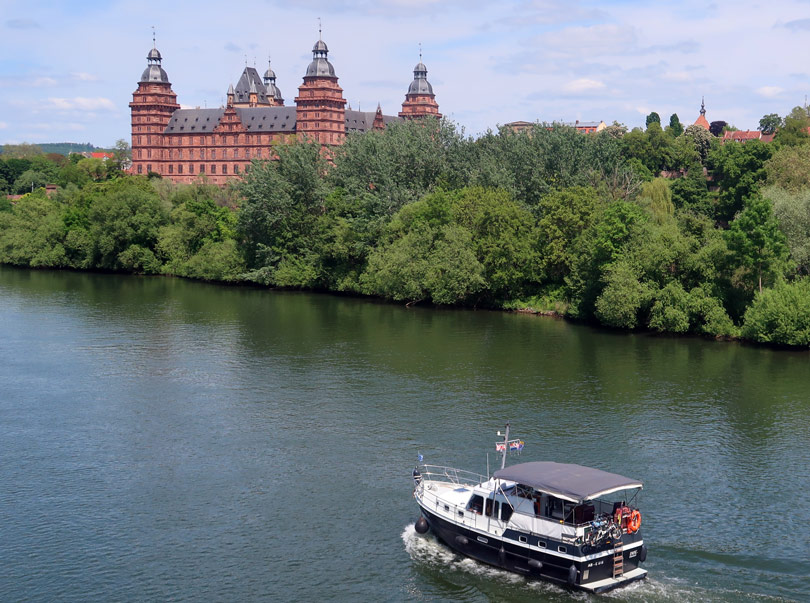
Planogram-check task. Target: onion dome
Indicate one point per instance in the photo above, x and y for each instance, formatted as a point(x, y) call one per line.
point(154, 72)
point(420, 85)
point(320, 65)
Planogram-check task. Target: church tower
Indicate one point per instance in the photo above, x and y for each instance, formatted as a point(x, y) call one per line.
point(420, 100)
point(320, 106)
point(152, 106)
point(702, 121)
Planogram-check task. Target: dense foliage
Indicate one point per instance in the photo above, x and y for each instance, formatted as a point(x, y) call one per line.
point(663, 229)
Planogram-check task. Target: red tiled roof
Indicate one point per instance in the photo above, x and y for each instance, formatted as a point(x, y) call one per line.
point(702, 122)
point(102, 155)
point(742, 135)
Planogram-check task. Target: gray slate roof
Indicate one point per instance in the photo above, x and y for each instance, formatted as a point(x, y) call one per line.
point(267, 119)
point(154, 73)
point(363, 121)
point(571, 482)
point(262, 119)
point(193, 120)
point(242, 91)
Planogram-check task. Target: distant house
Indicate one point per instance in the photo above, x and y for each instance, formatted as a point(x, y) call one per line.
point(104, 156)
point(586, 127)
point(746, 135)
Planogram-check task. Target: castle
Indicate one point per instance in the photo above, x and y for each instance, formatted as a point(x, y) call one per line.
point(182, 144)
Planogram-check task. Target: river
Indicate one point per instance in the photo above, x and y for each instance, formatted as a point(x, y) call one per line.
point(170, 440)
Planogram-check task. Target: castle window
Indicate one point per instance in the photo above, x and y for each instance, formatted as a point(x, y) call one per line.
point(149, 153)
point(149, 168)
point(202, 168)
point(213, 169)
point(140, 169)
point(224, 169)
point(180, 154)
point(180, 168)
point(171, 168)
point(148, 140)
point(247, 153)
point(236, 153)
point(236, 169)
point(213, 153)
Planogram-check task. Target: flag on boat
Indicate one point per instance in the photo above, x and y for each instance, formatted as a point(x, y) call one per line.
point(514, 446)
point(421, 458)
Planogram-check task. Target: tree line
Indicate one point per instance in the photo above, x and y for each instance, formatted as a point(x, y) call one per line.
point(548, 219)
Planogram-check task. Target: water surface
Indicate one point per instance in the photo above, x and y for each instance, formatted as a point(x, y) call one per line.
point(164, 439)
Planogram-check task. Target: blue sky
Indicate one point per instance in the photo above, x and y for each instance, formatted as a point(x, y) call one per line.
point(68, 69)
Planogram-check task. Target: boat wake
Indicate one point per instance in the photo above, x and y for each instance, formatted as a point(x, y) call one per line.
point(427, 551)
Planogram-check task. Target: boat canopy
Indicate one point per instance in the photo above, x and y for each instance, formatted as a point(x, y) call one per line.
point(567, 481)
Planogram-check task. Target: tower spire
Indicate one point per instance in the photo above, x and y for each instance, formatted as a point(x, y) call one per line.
point(702, 106)
point(154, 44)
point(320, 33)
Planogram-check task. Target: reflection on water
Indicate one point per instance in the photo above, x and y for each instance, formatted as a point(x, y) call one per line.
point(169, 439)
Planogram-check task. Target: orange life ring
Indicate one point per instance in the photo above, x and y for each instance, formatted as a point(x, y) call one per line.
point(635, 521)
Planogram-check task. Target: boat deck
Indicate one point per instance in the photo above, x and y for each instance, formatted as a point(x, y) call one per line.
point(610, 583)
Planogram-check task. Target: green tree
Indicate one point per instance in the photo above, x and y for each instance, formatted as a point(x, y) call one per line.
point(653, 118)
point(691, 192)
point(564, 215)
point(770, 123)
point(656, 197)
point(279, 216)
point(789, 168)
point(794, 129)
point(675, 125)
point(622, 297)
point(32, 233)
point(29, 181)
point(755, 240)
point(792, 211)
point(21, 151)
point(124, 223)
point(738, 169)
point(700, 139)
point(780, 315)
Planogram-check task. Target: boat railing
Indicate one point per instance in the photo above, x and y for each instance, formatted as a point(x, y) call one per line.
point(459, 477)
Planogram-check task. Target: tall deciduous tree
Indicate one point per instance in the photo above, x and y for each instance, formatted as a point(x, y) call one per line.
point(675, 125)
point(653, 118)
point(755, 240)
point(770, 123)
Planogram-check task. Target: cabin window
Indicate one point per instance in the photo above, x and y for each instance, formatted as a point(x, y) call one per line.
point(562, 549)
point(446, 507)
point(476, 504)
point(490, 506)
point(542, 544)
point(523, 539)
point(506, 512)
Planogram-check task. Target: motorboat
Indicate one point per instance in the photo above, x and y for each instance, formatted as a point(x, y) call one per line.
point(574, 525)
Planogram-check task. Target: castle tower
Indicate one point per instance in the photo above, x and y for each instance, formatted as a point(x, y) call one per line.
point(702, 121)
point(152, 106)
point(320, 106)
point(379, 121)
point(273, 93)
point(250, 91)
point(420, 100)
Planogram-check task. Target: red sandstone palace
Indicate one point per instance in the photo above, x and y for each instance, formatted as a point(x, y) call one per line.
point(182, 144)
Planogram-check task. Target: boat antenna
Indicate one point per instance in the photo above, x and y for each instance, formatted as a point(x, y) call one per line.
point(505, 446)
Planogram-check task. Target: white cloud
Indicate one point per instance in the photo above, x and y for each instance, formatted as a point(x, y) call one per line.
point(583, 85)
point(84, 77)
point(769, 91)
point(80, 103)
point(44, 81)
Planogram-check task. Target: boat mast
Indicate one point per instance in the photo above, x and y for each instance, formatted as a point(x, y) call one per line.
point(505, 446)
